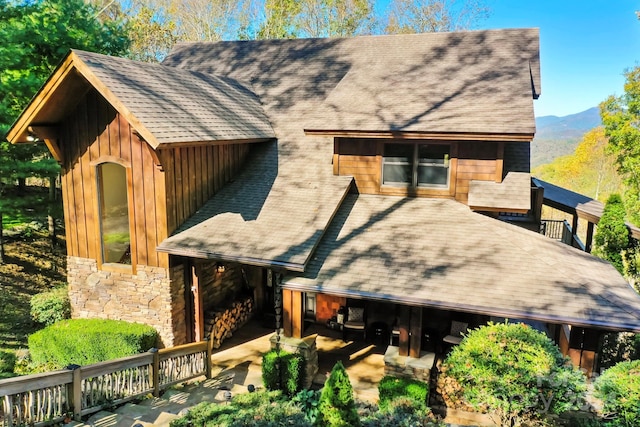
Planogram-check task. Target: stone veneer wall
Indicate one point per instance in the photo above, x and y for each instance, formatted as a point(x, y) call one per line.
point(153, 296)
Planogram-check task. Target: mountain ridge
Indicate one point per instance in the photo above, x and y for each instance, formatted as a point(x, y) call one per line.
point(559, 135)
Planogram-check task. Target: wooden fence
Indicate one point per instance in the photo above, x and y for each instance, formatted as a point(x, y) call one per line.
point(44, 399)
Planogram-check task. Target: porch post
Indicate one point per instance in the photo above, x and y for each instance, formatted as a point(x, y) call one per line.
point(292, 313)
point(198, 303)
point(403, 324)
point(416, 332)
point(589, 240)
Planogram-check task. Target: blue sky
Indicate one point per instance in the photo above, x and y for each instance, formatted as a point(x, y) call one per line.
point(585, 47)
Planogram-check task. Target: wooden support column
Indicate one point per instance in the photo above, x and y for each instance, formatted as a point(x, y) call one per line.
point(403, 323)
point(287, 321)
point(574, 225)
point(589, 240)
point(416, 332)
point(297, 322)
point(198, 304)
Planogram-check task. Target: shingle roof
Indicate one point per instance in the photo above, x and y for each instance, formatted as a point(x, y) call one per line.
point(181, 106)
point(436, 252)
point(513, 193)
point(476, 81)
point(295, 79)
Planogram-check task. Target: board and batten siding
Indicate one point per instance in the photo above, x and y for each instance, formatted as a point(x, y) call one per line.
point(470, 160)
point(161, 196)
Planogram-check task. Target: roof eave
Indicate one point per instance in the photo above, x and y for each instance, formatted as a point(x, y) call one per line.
point(446, 136)
point(490, 311)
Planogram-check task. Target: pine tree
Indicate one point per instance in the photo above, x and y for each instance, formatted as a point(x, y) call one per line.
point(337, 407)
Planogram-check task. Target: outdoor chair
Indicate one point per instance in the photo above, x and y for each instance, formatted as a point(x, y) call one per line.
point(356, 321)
point(455, 334)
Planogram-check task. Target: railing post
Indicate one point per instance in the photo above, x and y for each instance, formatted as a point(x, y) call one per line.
point(209, 353)
point(155, 372)
point(8, 410)
point(76, 391)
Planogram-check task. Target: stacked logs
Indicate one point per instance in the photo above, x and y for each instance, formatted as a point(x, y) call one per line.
point(222, 323)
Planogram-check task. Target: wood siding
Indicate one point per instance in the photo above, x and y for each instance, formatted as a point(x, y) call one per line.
point(161, 196)
point(470, 160)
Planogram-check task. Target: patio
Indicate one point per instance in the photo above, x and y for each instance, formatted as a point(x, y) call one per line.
point(239, 359)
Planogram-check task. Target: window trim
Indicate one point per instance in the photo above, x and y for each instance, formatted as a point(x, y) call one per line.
point(112, 266)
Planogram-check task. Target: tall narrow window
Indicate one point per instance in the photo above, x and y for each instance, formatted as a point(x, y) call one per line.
point(416, 165)
point(114, 213)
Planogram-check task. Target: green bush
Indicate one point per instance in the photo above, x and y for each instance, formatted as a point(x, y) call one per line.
point(308, 401)
point(283, 371)
point(337, 408)
point(618, 347)
point(87, 341)
point(7, 363)
point(619, 389)
point(50, 307)
point(513, 372)
point(401, 412)
point(259, 409)
point(612, 234)
point(392, 387)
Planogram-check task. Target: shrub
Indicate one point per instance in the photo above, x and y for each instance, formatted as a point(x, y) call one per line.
point(618, 347)
point(337, 407)
point(51, 306)
point(612, 235)
point(514, 372)
point(7, 363)
point(401, 412)
point(259, 409)
point(87, 341)
point(392, 387)
point(283, 371)
point(619, 389)
point(308, 401)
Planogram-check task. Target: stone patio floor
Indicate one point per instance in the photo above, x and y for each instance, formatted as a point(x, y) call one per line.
point(239, 360)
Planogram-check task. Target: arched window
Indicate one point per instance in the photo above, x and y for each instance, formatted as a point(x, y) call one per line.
point(115, 236)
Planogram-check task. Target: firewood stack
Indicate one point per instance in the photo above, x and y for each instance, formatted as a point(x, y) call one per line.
point(222, 323)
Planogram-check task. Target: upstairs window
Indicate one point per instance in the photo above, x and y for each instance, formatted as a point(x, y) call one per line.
point(115, 235)
point(416, 165)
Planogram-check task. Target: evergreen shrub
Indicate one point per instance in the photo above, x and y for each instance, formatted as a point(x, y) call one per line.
point(259, 409)
point(337, 407)
point(513, 372)
point(283, 371)
point(619, 389)
point(612, 235)
point(51, 306)
point(391, 388)
point(86, 341)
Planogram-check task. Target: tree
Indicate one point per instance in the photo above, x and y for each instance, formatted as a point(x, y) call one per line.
point(621, 119)
point(590, 170)
point(315, 18)
point(36, 35)
point(151, 31)
point(424, 16)
point(612, 235)
point(337, 408)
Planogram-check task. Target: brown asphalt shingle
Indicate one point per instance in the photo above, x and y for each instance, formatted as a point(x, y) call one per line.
point(437, 253)
point(181, 106)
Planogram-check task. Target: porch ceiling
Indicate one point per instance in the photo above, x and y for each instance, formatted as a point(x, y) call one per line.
point(438, 253)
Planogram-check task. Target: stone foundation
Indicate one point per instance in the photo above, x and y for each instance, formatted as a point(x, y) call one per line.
point(154, 296)
point(408, 367)
point(306, 347)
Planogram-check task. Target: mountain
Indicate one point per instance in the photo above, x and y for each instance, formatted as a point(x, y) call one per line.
point(559, 136)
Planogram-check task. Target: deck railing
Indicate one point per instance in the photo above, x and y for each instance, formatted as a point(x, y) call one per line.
point(560, 230)
point(44, 399)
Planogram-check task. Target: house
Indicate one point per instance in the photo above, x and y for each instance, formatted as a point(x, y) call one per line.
point(369, 172)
